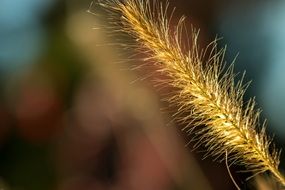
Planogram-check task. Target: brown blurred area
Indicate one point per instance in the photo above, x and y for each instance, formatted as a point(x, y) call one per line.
point(72, 117)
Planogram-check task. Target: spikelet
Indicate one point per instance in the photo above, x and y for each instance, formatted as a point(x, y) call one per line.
point(202, 86)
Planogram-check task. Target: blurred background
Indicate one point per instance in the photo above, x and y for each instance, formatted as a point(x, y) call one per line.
point(72, 117)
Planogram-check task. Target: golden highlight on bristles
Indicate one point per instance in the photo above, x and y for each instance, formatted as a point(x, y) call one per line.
point(202, 87)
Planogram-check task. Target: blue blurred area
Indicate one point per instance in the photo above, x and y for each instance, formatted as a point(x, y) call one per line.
point(256, 31)
point(241, 27)
point(17, 13)
point(273, 84)
point(21, 33)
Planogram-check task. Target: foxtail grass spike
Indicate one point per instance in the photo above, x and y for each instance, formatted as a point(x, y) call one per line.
point(203, 87)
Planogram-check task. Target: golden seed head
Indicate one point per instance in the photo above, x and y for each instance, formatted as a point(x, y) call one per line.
point(202, 86)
